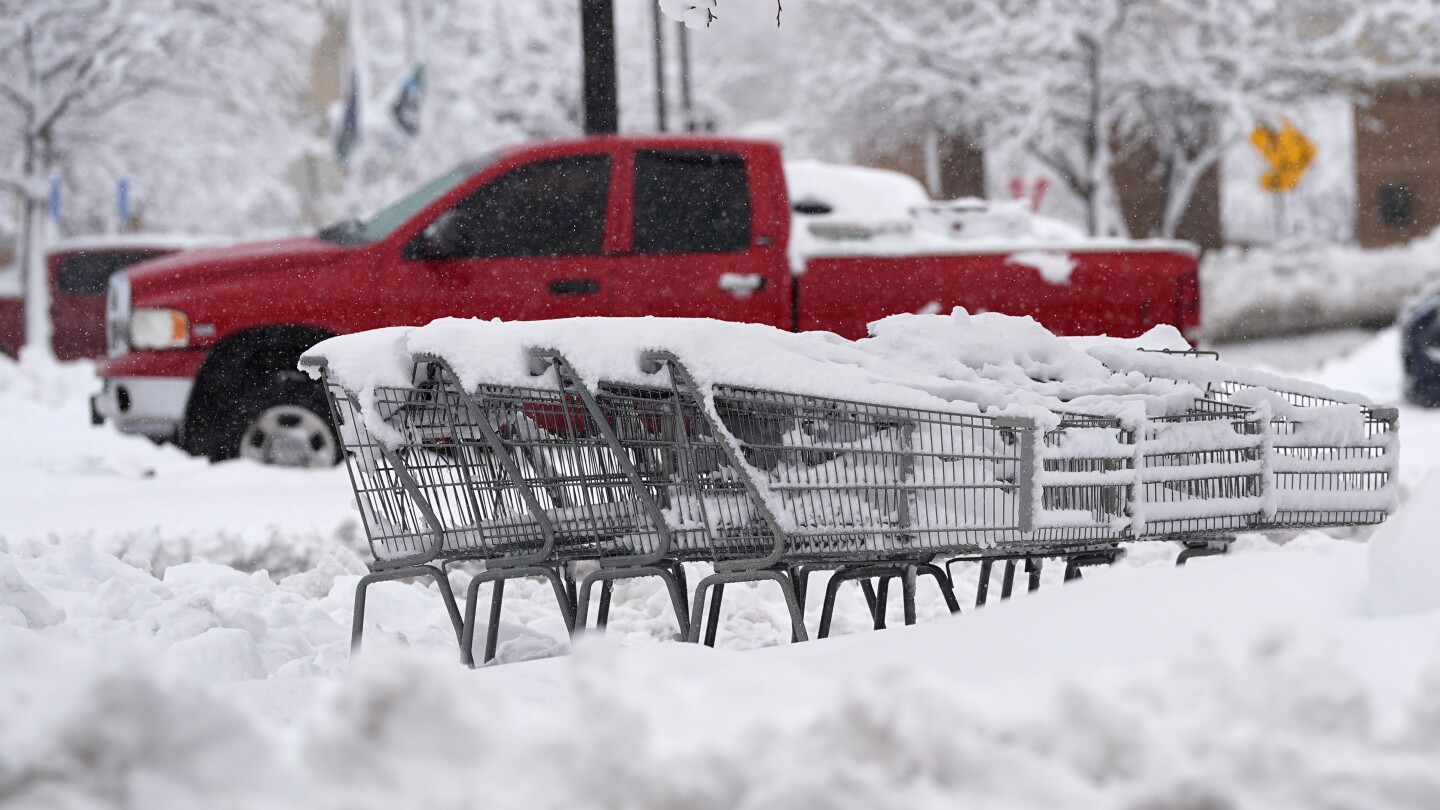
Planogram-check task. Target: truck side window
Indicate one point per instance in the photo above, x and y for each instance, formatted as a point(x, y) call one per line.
point(691, 202)
point(547, 208)
point(89, 273)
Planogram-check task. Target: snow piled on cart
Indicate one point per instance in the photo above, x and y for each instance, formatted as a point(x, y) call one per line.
point(1173, 419)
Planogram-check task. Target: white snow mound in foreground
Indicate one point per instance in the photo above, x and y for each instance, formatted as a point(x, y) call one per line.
point(1405, 556)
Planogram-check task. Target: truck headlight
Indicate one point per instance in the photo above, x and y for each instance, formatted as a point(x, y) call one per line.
point(159, 329)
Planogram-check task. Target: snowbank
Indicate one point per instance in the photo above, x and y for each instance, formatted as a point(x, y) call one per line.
point(1307, 285)
point(189, 678)
point(1231, 664)
point(63, 478)
point(1405, 556)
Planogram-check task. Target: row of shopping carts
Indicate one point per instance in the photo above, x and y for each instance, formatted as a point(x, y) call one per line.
point(641, 478)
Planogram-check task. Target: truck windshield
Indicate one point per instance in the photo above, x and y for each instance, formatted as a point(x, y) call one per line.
point(384, 223)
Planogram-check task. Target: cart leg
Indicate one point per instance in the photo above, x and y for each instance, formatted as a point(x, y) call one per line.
point(1072, 570)
point(607, 591)
point(715, 583)
point(679, 595)
point(557, 584)
point(716, 595)
point(947, 588)
point(357, 623)
point(907, 593)
point(675, 583)
point(492, 628)
point(1033, 566)
point(442, 583)
point(868, 588)
point(800, 576)
point(679, 569)
point(827, 608)
point(567, 571)
point(982, 591)
point(792, 600)
point(582, 605)
point(1008, 583)
point(882, 601)
point(697, 611)
point(467, 637)
point(1079, 561)
point(607, 577)
point(1202, 549)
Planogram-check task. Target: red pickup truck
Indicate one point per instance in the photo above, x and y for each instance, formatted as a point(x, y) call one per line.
point(204, 345)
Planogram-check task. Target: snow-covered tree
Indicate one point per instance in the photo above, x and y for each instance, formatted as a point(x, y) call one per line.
point(497, 72)
point(1078, 84)
point(74, 75)
point(1228, 66)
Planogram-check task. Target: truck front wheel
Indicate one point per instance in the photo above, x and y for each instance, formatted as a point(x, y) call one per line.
point(286, 424)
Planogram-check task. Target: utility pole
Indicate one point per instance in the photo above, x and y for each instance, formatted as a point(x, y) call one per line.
point(655, 18)
point(687, 110)
point(597, 44)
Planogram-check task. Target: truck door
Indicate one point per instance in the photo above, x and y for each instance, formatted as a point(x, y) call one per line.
point(693, 249)
point(526, 245)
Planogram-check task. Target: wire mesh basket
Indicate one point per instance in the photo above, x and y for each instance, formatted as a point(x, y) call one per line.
point(511, 475)
point(1331, 461)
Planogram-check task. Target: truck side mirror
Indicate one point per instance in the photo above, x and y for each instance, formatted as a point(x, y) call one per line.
point(440, 240)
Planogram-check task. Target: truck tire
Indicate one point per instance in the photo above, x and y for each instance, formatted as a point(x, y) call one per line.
point(286, 423)
point(249, 400)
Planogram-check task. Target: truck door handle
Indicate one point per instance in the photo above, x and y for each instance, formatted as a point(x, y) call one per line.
point(574, 286)
point(741, 285)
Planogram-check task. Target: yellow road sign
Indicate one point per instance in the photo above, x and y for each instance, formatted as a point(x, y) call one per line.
point(1288, 152)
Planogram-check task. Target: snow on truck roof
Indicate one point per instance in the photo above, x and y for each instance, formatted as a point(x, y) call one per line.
point(861, 211)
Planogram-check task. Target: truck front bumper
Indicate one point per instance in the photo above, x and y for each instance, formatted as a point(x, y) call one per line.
point(149, 406)
point(147, 392)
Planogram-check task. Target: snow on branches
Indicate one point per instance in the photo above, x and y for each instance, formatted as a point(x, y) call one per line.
point(78, 84)
point(697, 14)
point(1075, 84)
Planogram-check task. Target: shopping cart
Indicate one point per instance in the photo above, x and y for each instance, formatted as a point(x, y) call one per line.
point(649, 470)
point(1331, 458)
point(880, 492)
point(523, 479)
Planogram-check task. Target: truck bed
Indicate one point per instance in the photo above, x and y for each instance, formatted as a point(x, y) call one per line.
point(1105, 290)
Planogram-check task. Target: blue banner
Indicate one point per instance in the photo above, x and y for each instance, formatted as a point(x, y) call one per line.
point(55, 197)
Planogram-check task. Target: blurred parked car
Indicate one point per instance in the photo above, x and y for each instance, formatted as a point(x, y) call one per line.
point(80, 271)
point(1420, 348)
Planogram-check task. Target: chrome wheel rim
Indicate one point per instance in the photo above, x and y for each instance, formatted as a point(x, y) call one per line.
point(288, 436)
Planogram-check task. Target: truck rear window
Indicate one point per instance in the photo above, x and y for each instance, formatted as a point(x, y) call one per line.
point(89, 273)
point(691, 202)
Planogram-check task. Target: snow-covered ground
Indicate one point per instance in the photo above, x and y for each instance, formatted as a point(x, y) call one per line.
point(175, 634)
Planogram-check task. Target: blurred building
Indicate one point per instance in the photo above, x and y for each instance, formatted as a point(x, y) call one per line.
point(1397, 164)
